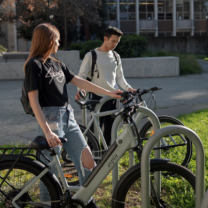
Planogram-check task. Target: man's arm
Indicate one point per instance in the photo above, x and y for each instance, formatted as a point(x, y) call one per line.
point(121, 81)
point(85, 67)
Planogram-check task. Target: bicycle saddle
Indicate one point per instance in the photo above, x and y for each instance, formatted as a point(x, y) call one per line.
point(88, 102)
point(41, 143)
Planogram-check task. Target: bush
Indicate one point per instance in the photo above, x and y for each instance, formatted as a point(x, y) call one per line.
point(187, 62)
point(85, 47)
point(130, 46)
point(2, 49)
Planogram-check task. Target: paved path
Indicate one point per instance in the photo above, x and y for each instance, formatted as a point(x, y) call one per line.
point(180, 95)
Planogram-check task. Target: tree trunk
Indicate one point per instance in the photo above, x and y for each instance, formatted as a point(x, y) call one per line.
point(87, 30)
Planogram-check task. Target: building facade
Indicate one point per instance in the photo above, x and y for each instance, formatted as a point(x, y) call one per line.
point(145, 17)
point(159, 17)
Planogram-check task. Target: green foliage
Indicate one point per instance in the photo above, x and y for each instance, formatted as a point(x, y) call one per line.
point(187, 62)
point(77, 46)
point(97, 30)
point(198, 122)
point(200, 56)
point(189, 65)
point(2, 49)
point(85, 47)
point(132, 46)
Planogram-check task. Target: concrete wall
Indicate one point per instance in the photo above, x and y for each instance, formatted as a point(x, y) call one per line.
point(195, 44)
point(135, 67)
point(151, 67)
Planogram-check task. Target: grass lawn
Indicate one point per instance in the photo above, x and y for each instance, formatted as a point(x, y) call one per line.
point(198, 122)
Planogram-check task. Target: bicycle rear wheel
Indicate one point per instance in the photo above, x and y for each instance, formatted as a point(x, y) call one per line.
point(176, 192)
point(21, 173)
point(67, 165)
point(179, 154)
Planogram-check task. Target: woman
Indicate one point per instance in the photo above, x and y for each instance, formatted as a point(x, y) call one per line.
point(45, 82)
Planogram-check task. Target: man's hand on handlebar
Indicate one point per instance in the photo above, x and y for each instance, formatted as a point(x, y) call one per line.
point(132, 90)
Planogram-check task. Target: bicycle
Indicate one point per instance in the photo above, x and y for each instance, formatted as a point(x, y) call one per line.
point(184, 145)
point(25, 192)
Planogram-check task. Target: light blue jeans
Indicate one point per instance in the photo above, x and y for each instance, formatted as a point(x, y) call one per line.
point(61, 121)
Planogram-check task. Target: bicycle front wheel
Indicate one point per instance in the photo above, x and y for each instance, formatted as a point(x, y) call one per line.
point(175, 192)
point(178, 154)
point(38, 196)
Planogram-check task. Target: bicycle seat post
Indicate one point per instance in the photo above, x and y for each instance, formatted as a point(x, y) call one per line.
point(84, 116)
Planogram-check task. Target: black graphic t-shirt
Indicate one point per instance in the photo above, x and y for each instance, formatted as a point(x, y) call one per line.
point(50, 79)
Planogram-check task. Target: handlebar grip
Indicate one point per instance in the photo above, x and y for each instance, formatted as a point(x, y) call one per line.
point(155, 89)
point(81, 94)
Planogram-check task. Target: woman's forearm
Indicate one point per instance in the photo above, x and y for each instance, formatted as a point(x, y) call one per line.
point(33, 98)
point(88, 86)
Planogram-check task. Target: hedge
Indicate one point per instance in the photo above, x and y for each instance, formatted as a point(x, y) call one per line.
point(130, 46)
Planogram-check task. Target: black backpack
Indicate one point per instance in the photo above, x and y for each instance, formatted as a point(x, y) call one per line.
point(94, 58)
point(25, 101)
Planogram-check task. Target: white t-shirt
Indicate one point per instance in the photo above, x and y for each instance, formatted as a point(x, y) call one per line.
point(106, 72)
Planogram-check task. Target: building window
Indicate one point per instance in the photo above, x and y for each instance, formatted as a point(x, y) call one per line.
point(182, 9)
point(164, 9)
point(183, 34)
point(146, 9)
point(200, 9)
point(111, 6)
point(127, 10)
point(164, 34)
point(200, 33)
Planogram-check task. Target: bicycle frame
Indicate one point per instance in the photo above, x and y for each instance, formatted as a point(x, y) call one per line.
point(123, 142)
point(95, 118)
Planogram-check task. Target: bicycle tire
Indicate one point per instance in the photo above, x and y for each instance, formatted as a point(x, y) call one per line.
point(20, 174)
point(71, 171)
point(186, 151)
point(128, 189)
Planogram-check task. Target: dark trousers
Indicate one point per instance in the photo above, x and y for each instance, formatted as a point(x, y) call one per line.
point(106, 122)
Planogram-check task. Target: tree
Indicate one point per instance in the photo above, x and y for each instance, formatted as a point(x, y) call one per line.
point(30, 13)
point(98, 29)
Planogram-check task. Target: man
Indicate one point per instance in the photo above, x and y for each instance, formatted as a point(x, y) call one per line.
point(108, 73)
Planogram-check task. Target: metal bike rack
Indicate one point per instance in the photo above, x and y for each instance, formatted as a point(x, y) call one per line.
point(204, 203)
point(156, 125)
point(145, 162)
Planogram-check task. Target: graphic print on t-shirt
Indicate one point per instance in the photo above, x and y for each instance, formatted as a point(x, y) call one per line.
point(52, 73)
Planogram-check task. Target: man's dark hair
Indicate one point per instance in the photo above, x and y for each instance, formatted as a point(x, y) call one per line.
point(112, 31)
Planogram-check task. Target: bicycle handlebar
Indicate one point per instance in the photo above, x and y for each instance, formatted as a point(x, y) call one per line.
point(146, 91)
point(128, 97)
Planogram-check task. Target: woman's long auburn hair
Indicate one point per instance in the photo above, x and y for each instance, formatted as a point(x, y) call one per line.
point(43, 40)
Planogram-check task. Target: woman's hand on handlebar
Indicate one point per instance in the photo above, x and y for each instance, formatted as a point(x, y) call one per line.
point(80, 94)
point(115, 93)
point(52, 139)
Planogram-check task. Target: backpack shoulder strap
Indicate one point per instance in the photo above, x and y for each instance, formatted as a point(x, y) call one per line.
point(116, 57)
point(94, 58)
